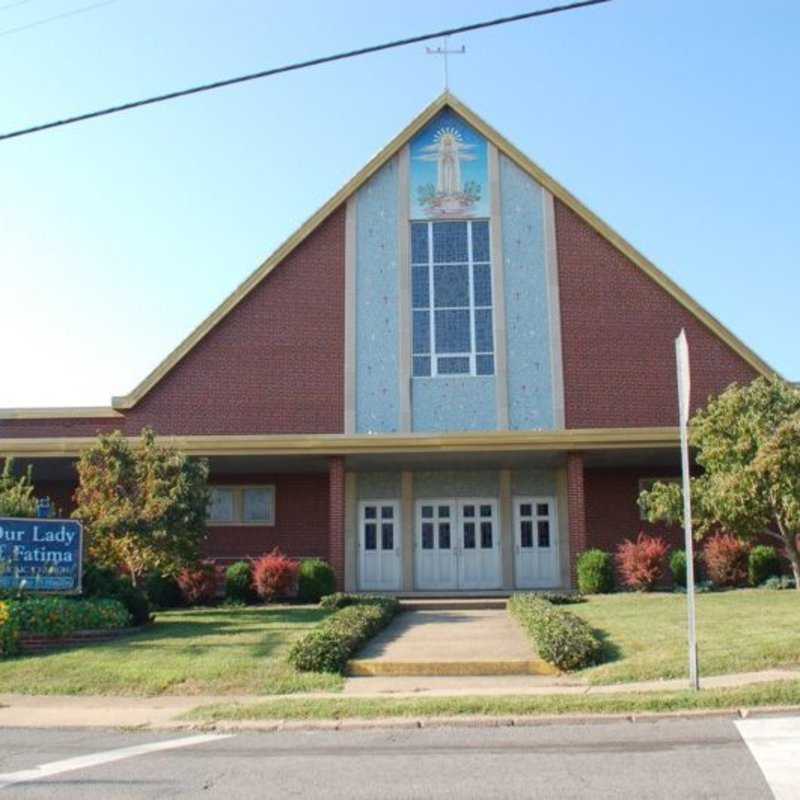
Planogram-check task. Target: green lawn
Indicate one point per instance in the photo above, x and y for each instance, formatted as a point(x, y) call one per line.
point(786, 693)
point(645, 635)
point(208, 651)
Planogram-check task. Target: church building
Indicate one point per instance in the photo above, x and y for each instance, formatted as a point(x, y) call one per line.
point(453, 378)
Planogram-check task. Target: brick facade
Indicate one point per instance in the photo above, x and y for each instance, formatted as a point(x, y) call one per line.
point(618, 331)
point(336, 521)
point(576, 510)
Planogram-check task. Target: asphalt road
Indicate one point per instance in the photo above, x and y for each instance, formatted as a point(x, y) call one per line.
point(698, 758)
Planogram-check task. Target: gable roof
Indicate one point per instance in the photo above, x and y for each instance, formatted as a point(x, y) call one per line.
point(446, 99)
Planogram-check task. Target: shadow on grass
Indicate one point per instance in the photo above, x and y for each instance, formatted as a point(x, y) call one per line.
point(609, 650)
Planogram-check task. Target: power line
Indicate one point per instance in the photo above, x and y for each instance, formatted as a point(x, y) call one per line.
point(301, 65)
point(63, 15)
point(14, 4)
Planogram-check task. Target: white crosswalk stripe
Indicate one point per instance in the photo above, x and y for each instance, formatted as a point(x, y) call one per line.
point(775, 745)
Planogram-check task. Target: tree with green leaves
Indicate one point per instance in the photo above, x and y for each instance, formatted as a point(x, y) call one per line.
point(747, 444)
point(143, 506)
point(17, 498)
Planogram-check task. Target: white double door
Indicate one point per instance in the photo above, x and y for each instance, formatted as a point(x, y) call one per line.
point(380, 554)
point(536, 561)
point(457, 544)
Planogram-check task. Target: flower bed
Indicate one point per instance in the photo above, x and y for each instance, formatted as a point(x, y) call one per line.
point(561, 638)
point(31, 622)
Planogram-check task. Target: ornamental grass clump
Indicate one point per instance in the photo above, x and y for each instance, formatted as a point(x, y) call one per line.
point(562, 639)
point(330, 645)
point(641, 563)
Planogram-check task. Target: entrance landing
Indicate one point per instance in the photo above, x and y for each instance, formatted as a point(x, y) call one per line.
point(450, 642)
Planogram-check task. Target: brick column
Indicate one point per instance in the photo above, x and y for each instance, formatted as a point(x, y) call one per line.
point(577, 512)
point(336, 506)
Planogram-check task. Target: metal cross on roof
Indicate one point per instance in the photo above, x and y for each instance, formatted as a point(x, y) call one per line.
point(444, 52)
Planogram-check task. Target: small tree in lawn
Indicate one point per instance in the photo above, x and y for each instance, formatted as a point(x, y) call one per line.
point(747, 442)
point(144, 507)
point(16, 493)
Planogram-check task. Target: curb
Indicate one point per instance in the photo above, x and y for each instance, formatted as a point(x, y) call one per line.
point(471, 721)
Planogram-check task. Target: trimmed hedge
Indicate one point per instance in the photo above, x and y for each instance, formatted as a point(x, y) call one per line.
point(677, 565)
point(595, 572)
point(330, 645)
point(163, 591)
point(763, 563)
point(57, 616)
point(315, 580)
point(239, 583)
point(332, 602)
point(99, 582)
point(561, 638)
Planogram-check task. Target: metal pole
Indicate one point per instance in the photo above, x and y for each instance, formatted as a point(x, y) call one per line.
point(682, 357)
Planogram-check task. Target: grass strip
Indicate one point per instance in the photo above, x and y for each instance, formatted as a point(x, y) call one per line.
point(779, 693)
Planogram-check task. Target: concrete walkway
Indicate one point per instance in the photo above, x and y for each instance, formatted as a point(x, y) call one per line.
point(450, 642)
point(70, 711)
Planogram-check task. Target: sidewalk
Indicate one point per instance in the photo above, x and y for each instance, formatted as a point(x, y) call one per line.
point(59, 711)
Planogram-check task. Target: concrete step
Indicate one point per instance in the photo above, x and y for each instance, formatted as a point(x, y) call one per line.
point(452, 603)
point(384, 668)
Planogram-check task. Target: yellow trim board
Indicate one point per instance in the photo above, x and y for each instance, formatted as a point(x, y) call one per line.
point(391, 444)
point(74, 412)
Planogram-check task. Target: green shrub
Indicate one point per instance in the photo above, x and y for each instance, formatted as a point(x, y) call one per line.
point(239, 583)
point(595, 572)
point(677, 563)
point(332, 602)
point(762, 563)
point(331, 644)
point(163, 591)
point(9, 631)
point(104, 583)
point(560, 598)
point(315, 579)
point(560, 638)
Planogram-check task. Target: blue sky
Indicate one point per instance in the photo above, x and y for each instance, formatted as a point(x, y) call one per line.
point(676, 121)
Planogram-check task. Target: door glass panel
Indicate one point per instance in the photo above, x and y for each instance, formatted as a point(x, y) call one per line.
point(486, 534)
point(469, 535)
point(469, 511)
point(444, 511)
point(387, 512)
point(526, 509)
point(370, 536)
point(427, 512)
point(542, 509)
point(526, 533)
point(444, 536)
point(543, 527)
point(427, 536)
point(486, 511)
point(370, 512)
point(387, 536)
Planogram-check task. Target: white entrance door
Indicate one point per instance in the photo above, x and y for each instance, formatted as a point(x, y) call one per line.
point(536, 545)
point(458, 544)
point(478, 545)
point(379, 545)
point(436, 556)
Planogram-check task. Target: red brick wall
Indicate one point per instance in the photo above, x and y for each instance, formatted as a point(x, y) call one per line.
point(618, 331)
point(301, 521)
point(275, 364)
point(612, 514)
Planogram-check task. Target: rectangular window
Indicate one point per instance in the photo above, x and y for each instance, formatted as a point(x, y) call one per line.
point(451, 297)
point(242, 505)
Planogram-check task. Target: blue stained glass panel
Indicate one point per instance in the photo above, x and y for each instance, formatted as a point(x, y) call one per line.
point(419, 243)
point(422, 366)
point(422, 332)
point(480, 240)
point(483, 330)
point(450, 242)
point(482, 283)
point(452, 331)
point(451, 285)
point(449, 365)
point(420, 287)
point(484, 365)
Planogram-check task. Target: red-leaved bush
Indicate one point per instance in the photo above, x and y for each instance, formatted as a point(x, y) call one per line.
point(198, 584)
point(725, 558)
point(642, 563)
point(274, 575)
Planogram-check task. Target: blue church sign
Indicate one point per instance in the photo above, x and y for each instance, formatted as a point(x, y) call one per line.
point(40, 555)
